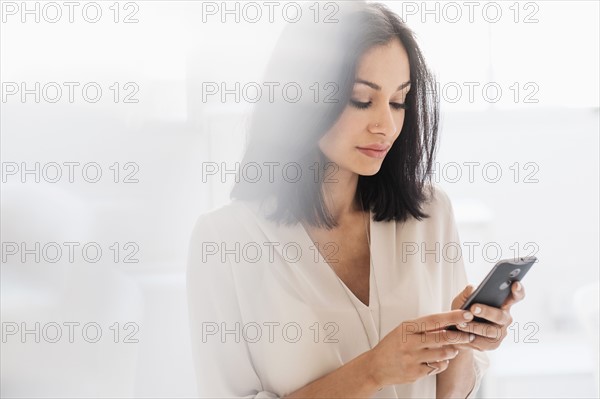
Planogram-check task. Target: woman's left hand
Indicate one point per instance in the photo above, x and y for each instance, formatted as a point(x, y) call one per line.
point(489, 335)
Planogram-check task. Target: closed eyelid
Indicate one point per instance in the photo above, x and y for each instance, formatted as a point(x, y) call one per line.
point(375, 86)
point(368, 104)
point(363, 90)
point(369, 99)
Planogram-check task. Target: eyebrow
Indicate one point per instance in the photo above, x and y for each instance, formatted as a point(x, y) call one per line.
point(377, 87)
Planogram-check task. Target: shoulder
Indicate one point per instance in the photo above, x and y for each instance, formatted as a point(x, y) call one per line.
point(439, 223)
point(438, 204)
point(220, 220)
point(219, 213)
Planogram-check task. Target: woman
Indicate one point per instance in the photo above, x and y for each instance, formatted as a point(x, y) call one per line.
point(304, 285)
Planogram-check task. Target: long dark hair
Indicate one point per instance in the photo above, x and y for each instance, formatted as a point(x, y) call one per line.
point(321, 59)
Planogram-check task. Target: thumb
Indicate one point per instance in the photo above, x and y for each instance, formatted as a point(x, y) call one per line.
point(466, 292)
point(462, 297)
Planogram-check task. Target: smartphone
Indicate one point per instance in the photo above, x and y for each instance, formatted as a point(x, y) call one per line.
point(495, 287)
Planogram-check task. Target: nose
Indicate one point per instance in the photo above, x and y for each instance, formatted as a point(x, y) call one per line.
point(383, 122)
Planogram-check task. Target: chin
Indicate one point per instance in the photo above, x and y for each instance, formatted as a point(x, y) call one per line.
point(369, 171)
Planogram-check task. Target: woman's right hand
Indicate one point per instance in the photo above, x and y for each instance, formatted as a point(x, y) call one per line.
point(401, 356)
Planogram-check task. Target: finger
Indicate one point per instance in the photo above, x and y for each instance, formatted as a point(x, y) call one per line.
point(462, 297)
point(440, 338)
point(489, 331)
point(437, 354)
point(438, 321)
point(434, 368)
point(517, 294)
point(494, 315)
point(472, 345)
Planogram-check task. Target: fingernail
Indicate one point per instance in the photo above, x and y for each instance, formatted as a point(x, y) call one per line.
point(518, 284)
point(477, 310)
point(471, 337)
point(468, 315)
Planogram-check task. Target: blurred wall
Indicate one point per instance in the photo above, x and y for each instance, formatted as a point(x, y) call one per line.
point(519, 95)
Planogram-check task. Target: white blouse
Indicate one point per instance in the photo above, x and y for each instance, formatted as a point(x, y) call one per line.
point(269, 315)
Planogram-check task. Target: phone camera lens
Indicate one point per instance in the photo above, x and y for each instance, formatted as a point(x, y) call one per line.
point(514, 273)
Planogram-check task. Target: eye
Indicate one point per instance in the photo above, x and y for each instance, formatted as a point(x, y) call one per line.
point(363, 105)
point(398, 105)
point(360, 105)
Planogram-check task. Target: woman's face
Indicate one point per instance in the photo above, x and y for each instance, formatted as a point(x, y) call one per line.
point(371, 122)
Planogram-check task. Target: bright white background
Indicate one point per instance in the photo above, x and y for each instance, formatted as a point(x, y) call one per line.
point(545, 50)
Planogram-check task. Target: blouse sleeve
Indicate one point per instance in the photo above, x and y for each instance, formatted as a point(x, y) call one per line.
point(222, 360)
point(459, 282)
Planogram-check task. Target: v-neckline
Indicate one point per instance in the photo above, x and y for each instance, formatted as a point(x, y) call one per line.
point(309, 242)
point(318, 278)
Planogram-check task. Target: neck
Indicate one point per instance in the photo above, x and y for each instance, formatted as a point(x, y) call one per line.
point(339, 195)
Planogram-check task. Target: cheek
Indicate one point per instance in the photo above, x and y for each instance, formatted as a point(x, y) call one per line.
point(344, 133)
point(399, 121)
point(400, 118)
point(351, 125)
point(327, 140)
point(333, 142)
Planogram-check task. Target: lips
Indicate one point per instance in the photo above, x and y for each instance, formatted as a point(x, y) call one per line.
point(374, 150)
point(376, 147)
